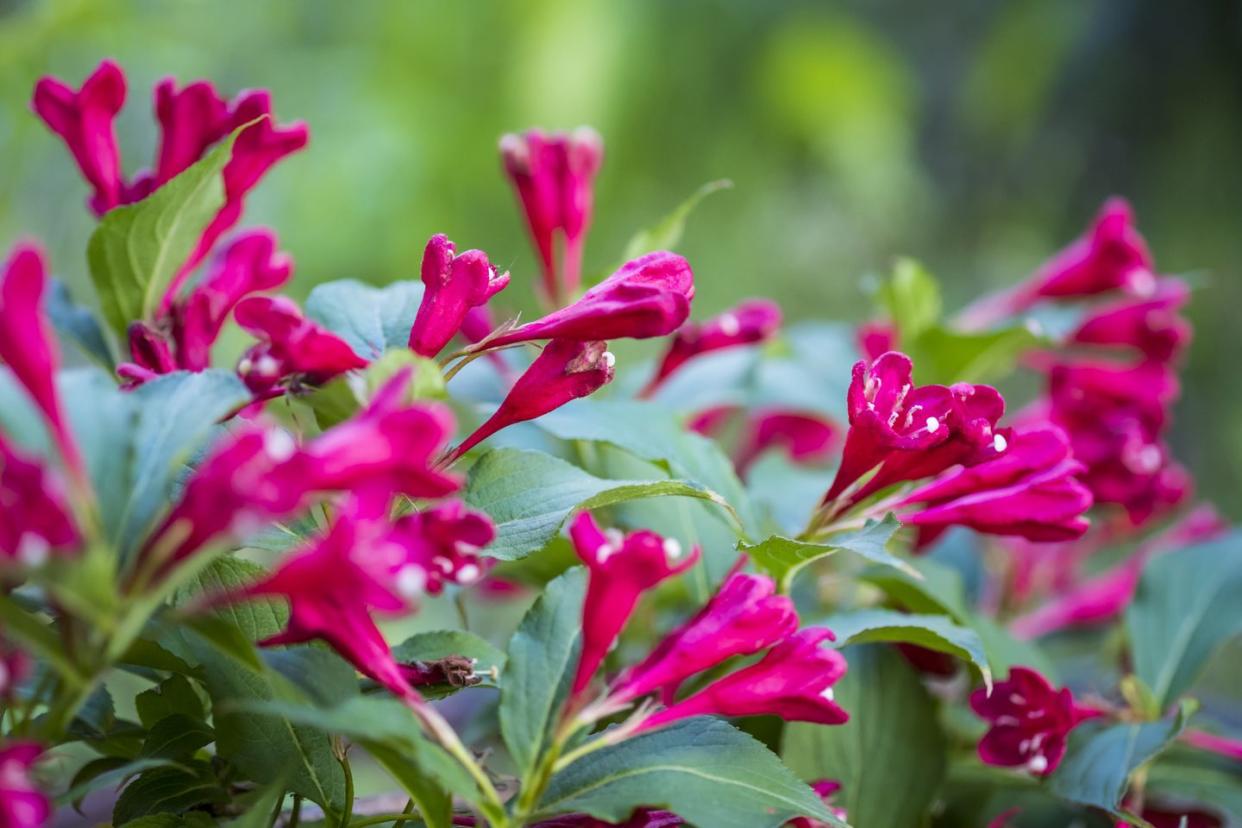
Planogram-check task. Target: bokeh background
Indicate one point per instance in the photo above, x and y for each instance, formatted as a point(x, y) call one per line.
point(977, 136)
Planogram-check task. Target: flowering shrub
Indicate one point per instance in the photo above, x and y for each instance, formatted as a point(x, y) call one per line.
point(793, 576)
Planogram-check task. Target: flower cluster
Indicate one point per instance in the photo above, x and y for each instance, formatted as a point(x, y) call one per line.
point(793, 680)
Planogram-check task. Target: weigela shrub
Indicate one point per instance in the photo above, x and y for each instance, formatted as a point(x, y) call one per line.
point(804, 575)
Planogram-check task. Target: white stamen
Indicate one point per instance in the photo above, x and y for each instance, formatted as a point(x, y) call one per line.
point(267, 366)
point(1000, 443)
point(604, 552)
point(609, 359)
point(468, 574)
point(245, 366)
point(827, 694)
point(672, 549)
point(411, 580)
point(729, 325)
point(1146, 460)
point(1038, 764)
point(1017, 698)
point(32, 549)
point(278, 444)
point(615, 536)
point(933, 425)
point(1142, 281)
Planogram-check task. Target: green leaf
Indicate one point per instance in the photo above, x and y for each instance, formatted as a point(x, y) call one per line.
point(106, 772)
point(890, 756)
point(137, 250)
point(542, 658)
point(371, 319)
point(935, 632)
point(667, 233)
point(175, 737)
point(36, 636)
point(263, 747)
point(77, 324)
point(259, 814)
point(663, 440)
point(911, 297)
point(1185, 607)
point(1221, 789)
point(170, 790)
point(1100, 758)
point(945, 356)
point(783, 558)
point(702, 769)
point(174, 694)
point(341, 398)
point(529, 494)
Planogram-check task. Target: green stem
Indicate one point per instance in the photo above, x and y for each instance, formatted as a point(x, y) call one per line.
point(280, 801)
point(409, 809)
point(295, 815)
point(492, 806)
point(380, 818)
point(347, 812)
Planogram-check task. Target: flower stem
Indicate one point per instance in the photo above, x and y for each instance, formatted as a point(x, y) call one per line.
point(492, 806)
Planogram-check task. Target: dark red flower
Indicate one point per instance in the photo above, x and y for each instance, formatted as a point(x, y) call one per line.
point(1030, 721)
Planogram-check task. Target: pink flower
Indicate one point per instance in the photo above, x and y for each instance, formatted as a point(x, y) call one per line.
point(751, 322)
point(333, 585)
point(553, 176)
point(1027, 489)
point(1178, 817)
point(1030, 721)
point(453, 285)
point(565, 371)
point(793, 681)
point(621, 568)
point(876, 338)
point(1111, 256)
point(1152, 325)
point(743, 617)
point(291, 346)
point(36, 520)
point(710, 421)
point(649, 296)
point(1220, 745)
point(806, 438)
point(29, 348)
point(255, 475)
point(83, 119)
point(642, 818)
point(22, 804)
point(15, 668)
point(191, 120)
point(888, 413)
point(826, 789)
point(386, 448)
point(443, 543)
point(248, 265)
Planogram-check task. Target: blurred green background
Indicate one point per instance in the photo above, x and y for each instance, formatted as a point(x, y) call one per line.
point(977, 136)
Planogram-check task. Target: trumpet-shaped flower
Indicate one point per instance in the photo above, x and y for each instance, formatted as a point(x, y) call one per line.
point(751, 322)
point(290, 346)
point(22, 803)
point(621, 568)
point(36, 522)
point(453, 285)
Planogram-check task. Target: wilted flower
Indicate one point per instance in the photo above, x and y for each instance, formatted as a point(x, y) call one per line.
point(743, 617)
point(290, 345)
point(621, 568)
point(751, 322)
point(1030, 721)
point(649, 296)
point(564, 371)
point(453, 285)
point(554, 176)
point(22, 804)
point(37, 523)
point(1028, 488)
point(29, 348)
point(793, 681)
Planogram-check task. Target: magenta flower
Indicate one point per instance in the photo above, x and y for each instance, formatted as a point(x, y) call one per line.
point(876, 338)
point(1027, 489)
point(22, 804)
point(83, 119)
point(710, 421)
point(1177, 817)
point(621, 568)
point(1111, 256)
point(29, 348)
point(793, 681)
point(386, 448)
point(564, 371)
point(642, 818)
point(888, 413)
point(333, 585)
point(255, 475)
point(751, 322)
point(248, 265)
point(191, 120)
point(15, 668)
point(442, 544)
point(554, 176)
point(743, 617)
point(37, 523)
point(453, 285)
point(291, 347)
point(806, 438)
point(649, 296)
point(826, 789)
point(1152, 326)
point(1030, 721)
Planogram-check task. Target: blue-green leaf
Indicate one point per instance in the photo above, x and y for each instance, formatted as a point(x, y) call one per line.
point(371, 319)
